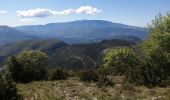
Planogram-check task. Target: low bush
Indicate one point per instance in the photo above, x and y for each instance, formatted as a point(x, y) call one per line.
point(104, 81)
point(73, 73)
point(8, 90)
point(56, 74)
point(151, 72)
point(89, 75)
point(27, 66)
point(118, 60)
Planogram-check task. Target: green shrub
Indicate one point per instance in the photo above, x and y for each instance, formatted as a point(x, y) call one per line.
point(57, 74)
point(103, 70)
point(133, 75)
point(118, 60)
point(73, 73)
point(153, 75)
point(89, 75)
point(15, 69)
point(104, 81)
point(28, 66)
point(8, 90)
point(152, 72)
point(159, 35)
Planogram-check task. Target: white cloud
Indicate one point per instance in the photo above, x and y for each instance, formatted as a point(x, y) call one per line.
point(35, 13)
point(3, 12)
point(27, 20)
point(65, 12)
point(87, 10)
point(48, 12)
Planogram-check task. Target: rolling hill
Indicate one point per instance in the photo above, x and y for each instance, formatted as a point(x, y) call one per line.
point(73, 56)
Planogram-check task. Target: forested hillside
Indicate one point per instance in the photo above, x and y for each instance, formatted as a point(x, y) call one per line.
point(72, 55)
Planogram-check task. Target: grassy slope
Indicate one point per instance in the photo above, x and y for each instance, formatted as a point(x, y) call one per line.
point(73, 89)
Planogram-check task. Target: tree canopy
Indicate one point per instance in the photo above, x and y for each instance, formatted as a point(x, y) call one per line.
point(159, 33)
point(159, 37)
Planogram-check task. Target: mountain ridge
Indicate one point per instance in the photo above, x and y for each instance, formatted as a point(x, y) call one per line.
point(74, 32)
point(10, 34)
point(83, 31)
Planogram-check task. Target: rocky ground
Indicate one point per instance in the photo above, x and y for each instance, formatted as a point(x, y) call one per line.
point(73, 89)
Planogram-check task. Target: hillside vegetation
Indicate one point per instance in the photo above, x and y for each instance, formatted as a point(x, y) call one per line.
point(70, 54)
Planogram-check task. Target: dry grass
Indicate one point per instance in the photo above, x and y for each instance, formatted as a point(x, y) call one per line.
point(73, 89)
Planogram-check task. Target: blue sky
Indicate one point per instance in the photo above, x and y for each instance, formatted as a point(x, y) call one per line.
point(131, 12)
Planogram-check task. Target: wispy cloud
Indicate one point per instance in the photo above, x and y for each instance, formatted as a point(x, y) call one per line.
point(41, 13)
point(27, 20)
point(2, 12)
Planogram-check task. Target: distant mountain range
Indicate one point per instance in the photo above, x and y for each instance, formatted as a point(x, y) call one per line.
point(84, 31)
point(75, 32)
